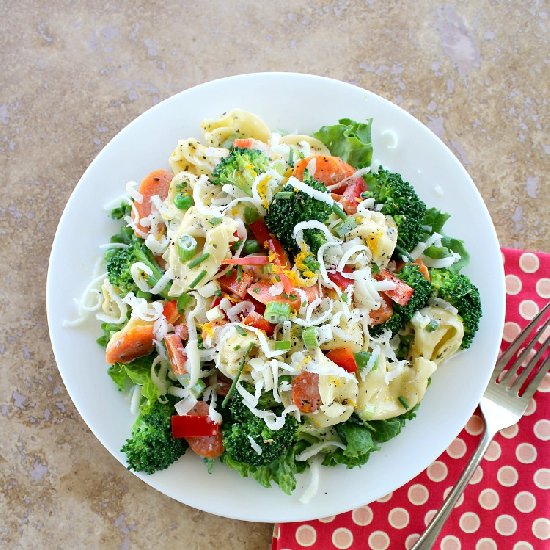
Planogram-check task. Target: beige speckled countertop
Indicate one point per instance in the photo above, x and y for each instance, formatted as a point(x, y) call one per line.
point(73, 75)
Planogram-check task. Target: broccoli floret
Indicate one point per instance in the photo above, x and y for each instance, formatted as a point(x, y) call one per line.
point(462, 294)
point(120, 260)
point(273, 443)
point(240, 168)
point(411, 275)
point(152, 447)
point(401, 203)
point(289, 208)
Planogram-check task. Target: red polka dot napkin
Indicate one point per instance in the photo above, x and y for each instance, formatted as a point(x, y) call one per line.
point(507, 503)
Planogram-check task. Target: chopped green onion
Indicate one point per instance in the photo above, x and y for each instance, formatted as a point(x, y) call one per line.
point(345, 297)
point(183, 201)
point(281, 345)
point(277, 312)
point(218, 293)
point(239, 273)
point(215, 221)
point(284, 195)
point(337, 209)
point(187, 246)
point(183, 301)
point(361, 359)
point(433, 325)
point(198, 260)
point(198, 279)
point(403, 402)
point(235, 245)
point(345, 226)
point(375, 268)
point(309, 336)
point(250, 214)
point(238, 375)
point(251, 246)
point(291, 157)
point(241, 331)
point(141, 294)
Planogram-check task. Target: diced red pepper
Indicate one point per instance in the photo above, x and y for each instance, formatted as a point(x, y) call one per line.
point(260, 231)
point(305, 392)
point(281, 258)
point(216, 302)
point(402, 293)
point(247, 260)
point(193, 426)
point(230, 283)
point(176, 354)
point(256, 320)
point(170, 311)
point(353, 191)
point(344, 358)
point(246, 143)
point(340, 281)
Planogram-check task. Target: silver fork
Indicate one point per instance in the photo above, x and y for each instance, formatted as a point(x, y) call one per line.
point(501, 407)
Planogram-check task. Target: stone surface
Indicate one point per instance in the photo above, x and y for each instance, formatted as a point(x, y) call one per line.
point(74, 73)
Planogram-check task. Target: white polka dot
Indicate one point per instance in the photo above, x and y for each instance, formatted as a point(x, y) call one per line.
point(531, 408)
point(506, 525)
point(542, 429)
point(525, 502)
point(543, 287)
point(486, 544)
point(503, 257)
point(437, 471)
point(528, 309)
point(342, 538)
point(460, 498)
point(276, 531)
point(398, 518)
point(450, 542)
point(510, 332)
point(513, 285)
point(528, 262)
point(545, 384)
point(411, 540)
point(488, 499)
point(493, 452)
point(541, 528)
point(474, 426)
point(541, 478)
point(418, 494)
point(457, 448)
point(469, 522)
point(386, 498)
point(379, 540)
point(306, 535)
point(523, 545)
point(429, 516)
point(511, 432)
point(477, 477)
point(507, 476)
point(328, 519)
point(362, 516)
point(526, 453)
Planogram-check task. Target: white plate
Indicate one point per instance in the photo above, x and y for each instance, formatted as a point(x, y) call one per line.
point(302, 103)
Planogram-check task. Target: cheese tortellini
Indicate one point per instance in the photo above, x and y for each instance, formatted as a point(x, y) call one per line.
point(232, 352)
point(308, 145)
point(378, 400)
point(215, 241)
point(192, 156)
point(345, 333)
point(438, 334)
point(379, 233)
point(221, 131)
point(338, 397)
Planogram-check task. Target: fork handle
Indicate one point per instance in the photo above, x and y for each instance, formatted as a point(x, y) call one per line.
point(428, 538)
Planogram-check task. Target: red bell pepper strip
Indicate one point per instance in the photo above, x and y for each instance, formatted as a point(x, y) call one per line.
point(170, 311)
point(402, 293)
point(353, 191)
point(193, 426)
point(344, 358)
point(261, 232)
point(231, 284)
point(340, 281)
point(256, 320)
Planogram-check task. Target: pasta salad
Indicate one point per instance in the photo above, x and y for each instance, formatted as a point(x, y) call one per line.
point(276, 302)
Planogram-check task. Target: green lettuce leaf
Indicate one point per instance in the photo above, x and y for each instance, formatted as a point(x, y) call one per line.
point(359, 443)
point(435, 219)
point(349, 140)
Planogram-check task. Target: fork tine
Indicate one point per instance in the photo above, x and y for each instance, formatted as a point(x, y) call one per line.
point(523, 355)
point(535, 383)
point(515, 345)
point(520, 380)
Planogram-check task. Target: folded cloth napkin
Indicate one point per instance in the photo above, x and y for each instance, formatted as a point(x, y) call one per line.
point(507, 504)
